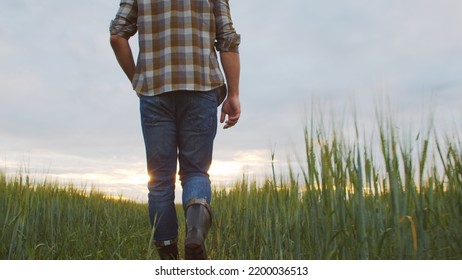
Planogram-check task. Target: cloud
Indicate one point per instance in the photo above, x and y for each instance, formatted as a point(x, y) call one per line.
point(63, 94)
point(338, 44)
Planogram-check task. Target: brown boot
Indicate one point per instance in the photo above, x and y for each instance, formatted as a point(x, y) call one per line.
point(198, 222)
point(168, 250)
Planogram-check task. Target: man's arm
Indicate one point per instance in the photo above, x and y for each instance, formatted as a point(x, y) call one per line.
point(124, 55)
point(122, 28)
point(227, 43)
point(231, 106)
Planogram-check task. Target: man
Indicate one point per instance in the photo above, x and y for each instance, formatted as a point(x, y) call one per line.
point(179, 84)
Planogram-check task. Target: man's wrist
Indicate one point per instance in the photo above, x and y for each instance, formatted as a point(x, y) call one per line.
point(233, 93)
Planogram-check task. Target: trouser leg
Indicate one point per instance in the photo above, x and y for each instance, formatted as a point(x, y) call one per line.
point(159, 131)
point(197, 127)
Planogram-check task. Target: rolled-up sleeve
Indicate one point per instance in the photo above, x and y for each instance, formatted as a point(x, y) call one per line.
point(125, 22)
point(227, 40)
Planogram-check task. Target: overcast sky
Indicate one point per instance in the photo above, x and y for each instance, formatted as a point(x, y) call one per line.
point(67, 110)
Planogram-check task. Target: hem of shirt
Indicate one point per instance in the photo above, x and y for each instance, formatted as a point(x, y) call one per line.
point(222, 92)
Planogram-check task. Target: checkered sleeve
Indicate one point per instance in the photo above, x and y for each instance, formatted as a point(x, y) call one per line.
point(125, 21)
point(227, 40)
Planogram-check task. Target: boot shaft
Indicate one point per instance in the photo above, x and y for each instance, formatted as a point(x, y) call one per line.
point(198, 222)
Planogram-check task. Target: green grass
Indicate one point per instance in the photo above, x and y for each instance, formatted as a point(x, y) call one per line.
point(45, 221)
point(389, 199)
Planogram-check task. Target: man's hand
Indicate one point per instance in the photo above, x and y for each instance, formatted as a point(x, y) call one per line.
point(231, 108)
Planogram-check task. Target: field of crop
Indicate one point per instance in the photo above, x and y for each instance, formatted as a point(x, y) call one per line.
point(344, 201)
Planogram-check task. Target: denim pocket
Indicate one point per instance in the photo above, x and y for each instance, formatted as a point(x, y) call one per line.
point(155, 109)
point(203, 114)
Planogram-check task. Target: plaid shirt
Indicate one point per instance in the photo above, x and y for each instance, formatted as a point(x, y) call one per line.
point(177, 41)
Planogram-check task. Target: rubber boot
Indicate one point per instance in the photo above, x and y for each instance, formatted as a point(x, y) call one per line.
point(168, 250)
point(198, 222)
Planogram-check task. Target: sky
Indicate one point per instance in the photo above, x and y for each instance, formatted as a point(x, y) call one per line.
point(67, 111)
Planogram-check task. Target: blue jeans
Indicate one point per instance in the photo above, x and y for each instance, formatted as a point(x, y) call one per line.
point(181, 126)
